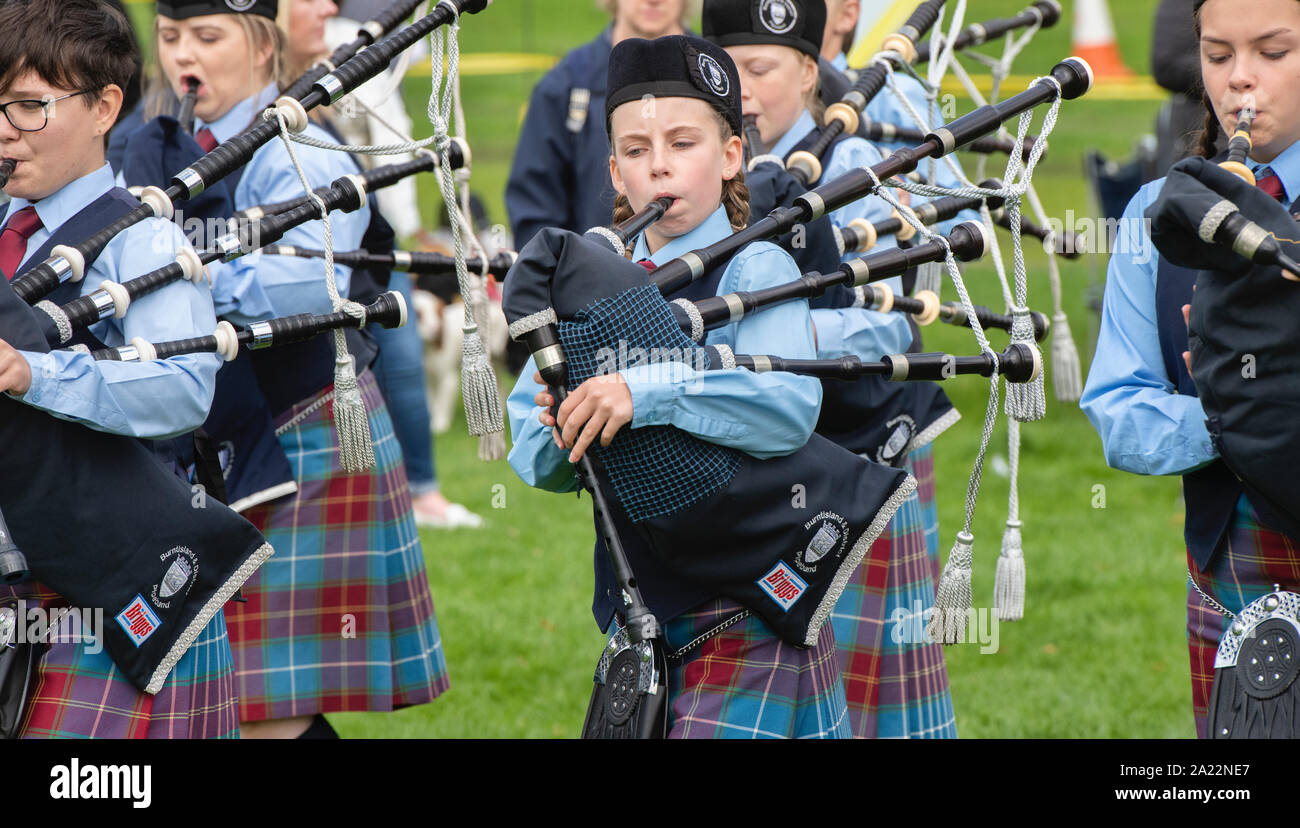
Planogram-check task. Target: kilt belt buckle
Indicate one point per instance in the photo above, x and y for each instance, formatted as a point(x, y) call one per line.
point(627, 701)
point(1256, 695)
point(17, 666)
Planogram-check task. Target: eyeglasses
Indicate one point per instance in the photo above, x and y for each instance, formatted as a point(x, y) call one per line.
point(33, 116)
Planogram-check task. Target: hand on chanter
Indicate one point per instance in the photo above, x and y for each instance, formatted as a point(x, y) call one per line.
point(597, 408)
point(15, 373)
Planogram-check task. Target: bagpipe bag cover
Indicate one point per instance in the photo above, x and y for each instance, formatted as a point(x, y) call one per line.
point(1243, 334)
point(102, 523)
point(780, 536)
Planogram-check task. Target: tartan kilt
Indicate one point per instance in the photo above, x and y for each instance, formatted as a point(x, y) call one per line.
point(895, 687)
point(340, 618)
point(76, 693)
point(1253, 559)
point(921, 463)
point(746, 683)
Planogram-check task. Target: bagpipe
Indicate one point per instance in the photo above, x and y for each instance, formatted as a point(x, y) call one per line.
point(347, 194)
point(568, 300)
point(388, 311)
point(418, 262)
point(845, 115)
point(68, 262)
point(842, 117)
point(101, 522)
point(1041, 14)
point(1241, 242)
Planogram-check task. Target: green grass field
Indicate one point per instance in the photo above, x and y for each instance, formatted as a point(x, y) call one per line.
point(1101, 651)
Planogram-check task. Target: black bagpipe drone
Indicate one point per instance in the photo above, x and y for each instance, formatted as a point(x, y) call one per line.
point(658, 491)
point(844, 116)
point(258, 229)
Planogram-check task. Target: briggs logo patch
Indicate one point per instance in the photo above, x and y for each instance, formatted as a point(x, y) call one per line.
point(783, 585)
point(138, 620)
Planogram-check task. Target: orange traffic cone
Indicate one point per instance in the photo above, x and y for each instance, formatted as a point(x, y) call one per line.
point(1094, 39)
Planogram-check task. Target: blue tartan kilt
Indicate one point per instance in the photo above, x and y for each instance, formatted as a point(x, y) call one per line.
point(746, 683)
point(78, 693)
point(341, 617)
point(895, 687)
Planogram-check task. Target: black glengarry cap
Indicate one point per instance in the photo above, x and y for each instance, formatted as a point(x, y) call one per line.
point(677, 66)
point(184, 9)
point(798, 24)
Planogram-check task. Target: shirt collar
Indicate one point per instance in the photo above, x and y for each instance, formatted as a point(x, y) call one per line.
point(841, 62)
point(240, 115)
point(55, 209)
point(714, 228)
point(794, 135)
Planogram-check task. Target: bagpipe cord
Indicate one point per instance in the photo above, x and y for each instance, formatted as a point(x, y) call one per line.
point(953, 602)
point(478, 382)
point(483, 409)
point(1067, 378)
point(1010, 577)
point(356, 450)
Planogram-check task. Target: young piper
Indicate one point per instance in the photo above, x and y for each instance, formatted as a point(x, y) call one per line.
point(673, 115)
point(65, 65)
point(342, 618)
point(1140, 395)
point(893, 688)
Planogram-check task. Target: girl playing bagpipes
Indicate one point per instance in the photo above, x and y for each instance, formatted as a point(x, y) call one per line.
point(1140, 393)
point(344, 620)
point(893, 688)
point(673, 115)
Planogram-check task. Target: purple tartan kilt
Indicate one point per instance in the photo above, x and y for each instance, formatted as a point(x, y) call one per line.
point(340, 618)
point(896, 683)
point(77, 693)
point(745, 683)
point(1246, 568)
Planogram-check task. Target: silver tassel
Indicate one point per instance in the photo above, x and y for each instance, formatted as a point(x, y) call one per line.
point(954, 601)
point(478, 385)
point(351, 420)
point(1026, 401)
point(1066, 372)
point(1009, 582)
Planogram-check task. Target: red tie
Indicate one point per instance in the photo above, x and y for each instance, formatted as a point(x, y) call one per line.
point(206, 139)
point(1270, 183)
point(648, 265)
point(13, 241)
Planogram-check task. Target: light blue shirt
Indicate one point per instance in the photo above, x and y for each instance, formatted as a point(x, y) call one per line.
point(146, 399)
point(258, 286)
point(1146, 427)
point(853, 331)
point(766, 415)
point(865, 334)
